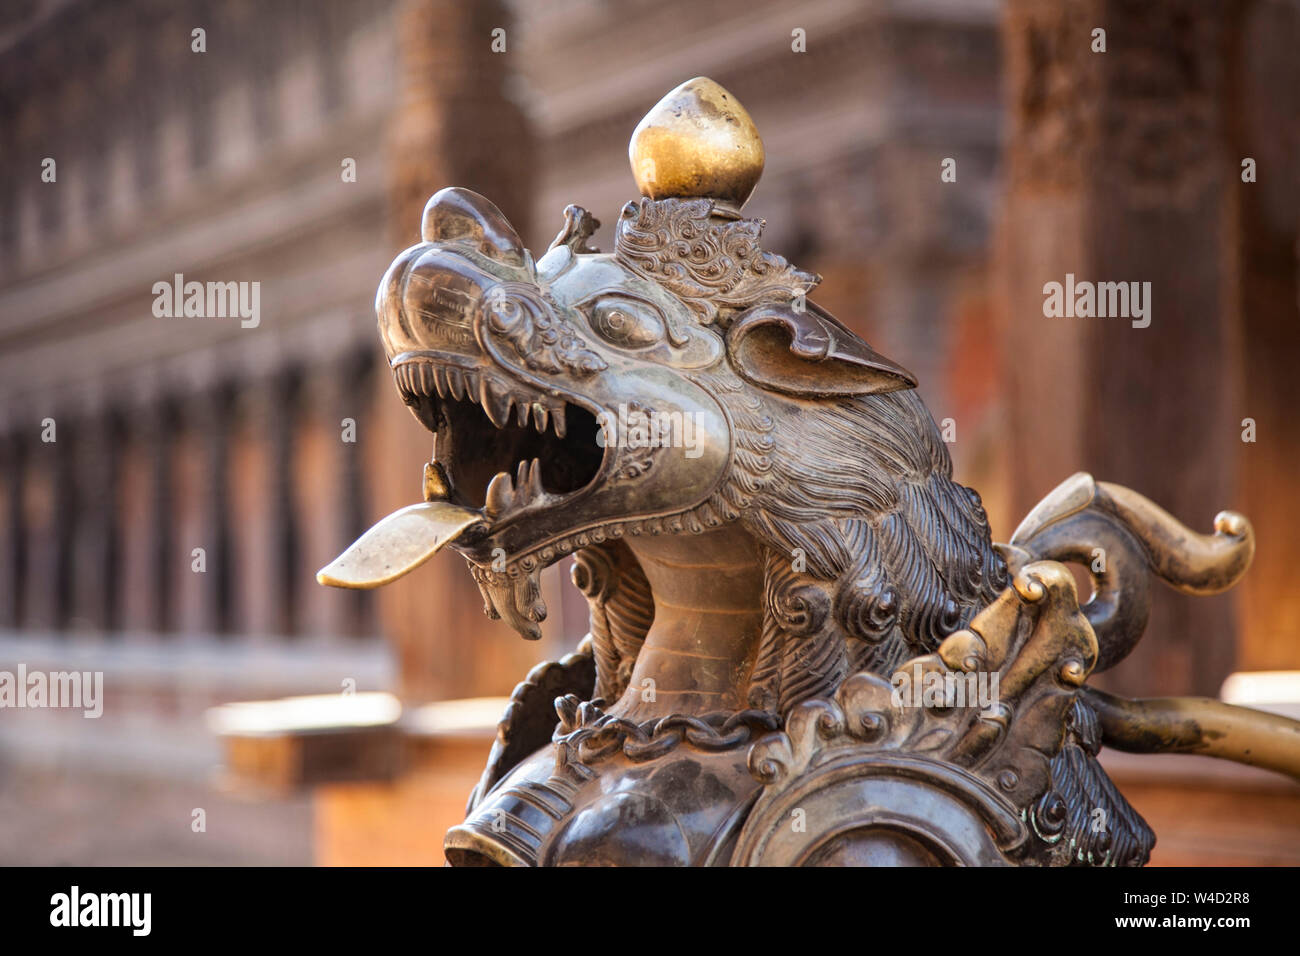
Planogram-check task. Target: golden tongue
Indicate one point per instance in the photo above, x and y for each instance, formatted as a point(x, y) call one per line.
point(399, 544)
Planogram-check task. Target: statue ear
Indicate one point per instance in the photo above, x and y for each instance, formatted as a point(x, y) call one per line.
point(456, 215)
point(808, 353)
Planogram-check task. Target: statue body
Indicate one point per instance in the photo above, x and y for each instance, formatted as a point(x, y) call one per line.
point(790, 596)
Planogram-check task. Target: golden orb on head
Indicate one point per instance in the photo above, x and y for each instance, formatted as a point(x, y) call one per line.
point(697, 142)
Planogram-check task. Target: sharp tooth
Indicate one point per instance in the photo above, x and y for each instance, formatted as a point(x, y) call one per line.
point(522, 414)
point(541, 417)
point(456, 384)
point(558, 421)
point(521, 476)
point(471, 386)
point(436, 485)
point(496, 404)
point(534, 489)
point(500, 495)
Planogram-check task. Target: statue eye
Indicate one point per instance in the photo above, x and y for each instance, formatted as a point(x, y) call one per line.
point(625, 322)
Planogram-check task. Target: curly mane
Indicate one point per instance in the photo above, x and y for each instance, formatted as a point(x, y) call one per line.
point(873, 552)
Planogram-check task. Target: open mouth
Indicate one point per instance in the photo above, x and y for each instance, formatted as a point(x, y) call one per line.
point(505, 449)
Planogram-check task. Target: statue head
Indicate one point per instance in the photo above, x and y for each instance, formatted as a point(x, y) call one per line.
point(679, 383)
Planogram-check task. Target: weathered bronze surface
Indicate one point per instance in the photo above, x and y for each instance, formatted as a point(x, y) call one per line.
point(804, 647)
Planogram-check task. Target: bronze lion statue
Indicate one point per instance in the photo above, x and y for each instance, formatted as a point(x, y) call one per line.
point(805, 648)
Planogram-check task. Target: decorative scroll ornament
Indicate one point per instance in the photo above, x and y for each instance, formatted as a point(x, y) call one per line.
point(930, 764)
point(715, 267)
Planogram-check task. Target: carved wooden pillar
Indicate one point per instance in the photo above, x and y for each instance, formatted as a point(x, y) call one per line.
point(323, 446)
point(1120, 170)
point(453, 126)
point(64, 521)
point(13, 452)
point(1266, 129)
point(191, 568)
point(39, 505)
point(135, 571)
point(252, 512)
point(211, 417)
point(93, 504)
point(162, 547)
point(284, 531)
point(359, 371)
point(109, 554)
